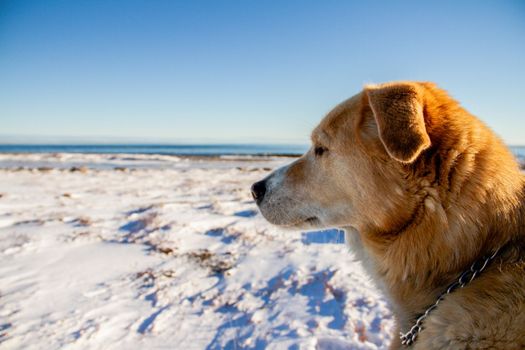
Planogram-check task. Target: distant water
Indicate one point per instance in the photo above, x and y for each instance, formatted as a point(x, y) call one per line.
point(519, 151)
point(195, 150)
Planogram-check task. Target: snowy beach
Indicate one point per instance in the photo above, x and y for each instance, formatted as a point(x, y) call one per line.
point(147, 252)
point(121, 251)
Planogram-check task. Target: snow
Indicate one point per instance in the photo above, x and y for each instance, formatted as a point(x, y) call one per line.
point(125, 252)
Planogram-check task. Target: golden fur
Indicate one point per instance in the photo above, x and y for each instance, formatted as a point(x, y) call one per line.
point(423, 189)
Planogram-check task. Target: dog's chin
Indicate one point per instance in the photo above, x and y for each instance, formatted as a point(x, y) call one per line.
point(311, 222)
point(291, 219)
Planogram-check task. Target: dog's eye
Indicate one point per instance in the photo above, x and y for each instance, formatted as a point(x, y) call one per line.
point(319, 151)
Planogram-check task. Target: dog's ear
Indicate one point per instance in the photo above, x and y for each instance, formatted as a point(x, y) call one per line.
point(398, 113)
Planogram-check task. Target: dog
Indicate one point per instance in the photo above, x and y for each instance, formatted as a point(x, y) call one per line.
point(426, 193)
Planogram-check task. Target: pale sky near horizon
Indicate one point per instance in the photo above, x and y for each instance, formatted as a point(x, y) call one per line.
point(244, 71)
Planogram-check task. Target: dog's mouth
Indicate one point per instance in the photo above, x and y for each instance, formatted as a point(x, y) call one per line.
point(312, 221)
point(293, 218)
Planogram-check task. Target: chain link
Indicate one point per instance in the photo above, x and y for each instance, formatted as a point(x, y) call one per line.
point(466, 277)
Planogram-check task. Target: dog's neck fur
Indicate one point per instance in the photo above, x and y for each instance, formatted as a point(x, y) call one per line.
point(410, 285)
point(431, 221)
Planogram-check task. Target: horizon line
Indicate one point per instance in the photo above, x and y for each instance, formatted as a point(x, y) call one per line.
point(19, 140)
point(168, 144)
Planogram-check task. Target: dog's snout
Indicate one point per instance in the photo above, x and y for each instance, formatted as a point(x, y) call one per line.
point(258, 191)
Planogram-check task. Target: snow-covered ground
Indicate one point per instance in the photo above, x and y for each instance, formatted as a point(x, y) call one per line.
point(147, 252)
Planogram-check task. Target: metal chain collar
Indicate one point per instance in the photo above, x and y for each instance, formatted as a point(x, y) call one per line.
point(466, 277)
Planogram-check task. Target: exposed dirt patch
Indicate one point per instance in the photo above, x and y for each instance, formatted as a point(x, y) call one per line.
point(217, 263)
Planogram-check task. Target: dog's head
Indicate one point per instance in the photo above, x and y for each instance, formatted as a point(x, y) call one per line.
point(355, 173)
point(427, 186)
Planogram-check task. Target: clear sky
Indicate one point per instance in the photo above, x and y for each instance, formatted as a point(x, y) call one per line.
point(245, 71)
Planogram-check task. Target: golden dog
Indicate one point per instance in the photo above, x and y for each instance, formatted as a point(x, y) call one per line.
point(426, 193)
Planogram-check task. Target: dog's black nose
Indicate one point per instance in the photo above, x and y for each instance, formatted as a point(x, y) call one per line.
point(258, 191)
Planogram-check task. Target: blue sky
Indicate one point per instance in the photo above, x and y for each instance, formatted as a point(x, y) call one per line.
point(244, 71)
